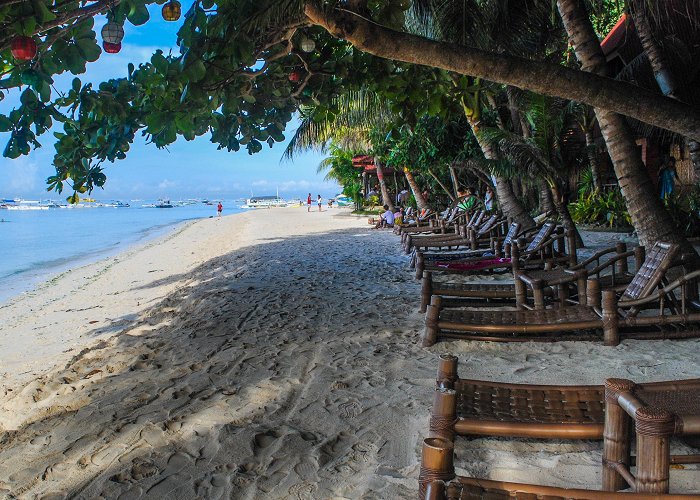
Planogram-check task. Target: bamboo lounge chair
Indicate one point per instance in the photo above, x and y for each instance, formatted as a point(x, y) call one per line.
point(540, 284)
point(576, 279)
point(539, 252)
point(443, 225)
point(437, 468)
point(579, 322)
point(422, 257)
point(421, 219)
point(468, 236)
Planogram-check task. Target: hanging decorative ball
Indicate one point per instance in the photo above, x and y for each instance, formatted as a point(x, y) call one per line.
point(111, 48)
point(172, 10)
point(23, 48)
point(113, 33)
point(307, 45)
point(295, 76)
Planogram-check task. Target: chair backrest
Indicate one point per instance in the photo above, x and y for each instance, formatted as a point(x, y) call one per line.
point(487, 226)
point(656, 263)
point(511, 234)
point(542, 235)
point(475, 219)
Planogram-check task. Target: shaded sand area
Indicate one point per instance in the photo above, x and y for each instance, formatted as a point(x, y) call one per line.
point(272, 354)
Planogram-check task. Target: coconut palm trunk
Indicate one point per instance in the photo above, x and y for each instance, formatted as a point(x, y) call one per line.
point(660, 67)
point(649, 217)
point(545, 196)
point(593, 159)
point(415, 189)
point(386, 198)
point(509, 204)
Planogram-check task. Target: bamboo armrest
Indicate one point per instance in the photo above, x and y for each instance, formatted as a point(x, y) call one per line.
point(609, 262)
point(596, 257)
point(686, 278)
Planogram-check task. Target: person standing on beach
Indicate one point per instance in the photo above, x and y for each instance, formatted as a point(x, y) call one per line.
point(308, 203)
point(219, 209)
point(320, 202)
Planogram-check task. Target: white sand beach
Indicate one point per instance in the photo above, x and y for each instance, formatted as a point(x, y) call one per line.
point(271, 354)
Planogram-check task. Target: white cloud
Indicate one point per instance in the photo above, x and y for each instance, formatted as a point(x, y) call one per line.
point(166, 184)
point(20, 176)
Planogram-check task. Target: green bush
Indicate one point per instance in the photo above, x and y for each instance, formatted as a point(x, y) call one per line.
point(602, 209)
point(684, 208)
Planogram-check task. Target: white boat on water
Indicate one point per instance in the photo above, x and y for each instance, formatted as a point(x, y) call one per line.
point(19, 204)
point(264, 202)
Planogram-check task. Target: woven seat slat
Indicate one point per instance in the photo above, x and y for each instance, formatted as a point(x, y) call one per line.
point(571, 314)
point(446, 288)
point(680, 403)
point(558, 405)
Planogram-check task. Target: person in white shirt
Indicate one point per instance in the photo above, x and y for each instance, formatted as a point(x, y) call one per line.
point(386, 219)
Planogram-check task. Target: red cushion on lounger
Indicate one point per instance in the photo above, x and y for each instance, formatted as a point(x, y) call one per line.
point(472, 266)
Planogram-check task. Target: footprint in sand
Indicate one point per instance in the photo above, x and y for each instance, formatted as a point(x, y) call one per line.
point(302, 491)
point(264, 439)
point(350, 409)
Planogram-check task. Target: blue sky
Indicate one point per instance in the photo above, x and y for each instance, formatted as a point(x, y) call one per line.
point(185, 169)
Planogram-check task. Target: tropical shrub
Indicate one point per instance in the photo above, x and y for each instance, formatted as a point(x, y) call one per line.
point(684, 208)
point(597, 208)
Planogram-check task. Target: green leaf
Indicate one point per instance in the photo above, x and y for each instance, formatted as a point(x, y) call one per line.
point(159, 62)
point(89, 49)
point(138, 14)
point(76, 84)
point(43, 14)
point(5, 124)
point(196, 71)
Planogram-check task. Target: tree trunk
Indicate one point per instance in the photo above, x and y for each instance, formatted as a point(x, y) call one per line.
point(648, 214)
point(509, 204)
point(545, 195)
point(593, 160)
point(537, 76)
point(444, 188)
point(660, 67)
point(562, 207)
point(415, 188)
point(455, 181)
point(386, 199)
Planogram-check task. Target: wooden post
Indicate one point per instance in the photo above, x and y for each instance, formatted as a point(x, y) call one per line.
point(514, 257)
point(654, 428)
point(571, 243)
point(639, 256)
point(444, 414)
point(472, 238)
point(447, 371)
point(621, 265)
point(436, 463)
point(431, 322)
point(581, 282)
point(592, 292)
point(434, 490)
point(520, 292)
point(611, 332)
point(420, 264)
point(616, 444)
point(426, 291)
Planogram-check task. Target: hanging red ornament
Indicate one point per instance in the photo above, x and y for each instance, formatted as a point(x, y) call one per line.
point(111, 48)
point(172, 10)
point(295, 76)
point(113, 33)
point(23, 48)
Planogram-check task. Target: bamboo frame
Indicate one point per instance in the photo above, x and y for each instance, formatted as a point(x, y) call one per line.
point(656, 420)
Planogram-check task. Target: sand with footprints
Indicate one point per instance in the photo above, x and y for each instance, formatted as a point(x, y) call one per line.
point(272, 354)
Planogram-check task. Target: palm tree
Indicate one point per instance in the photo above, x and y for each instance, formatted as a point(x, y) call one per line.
point(648, 215)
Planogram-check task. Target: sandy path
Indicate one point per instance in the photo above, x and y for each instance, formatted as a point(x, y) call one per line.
point(287, 366)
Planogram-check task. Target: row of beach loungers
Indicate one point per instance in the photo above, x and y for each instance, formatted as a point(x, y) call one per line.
point(555, 297)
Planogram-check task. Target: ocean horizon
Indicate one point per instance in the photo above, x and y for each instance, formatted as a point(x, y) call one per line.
point(37, 244)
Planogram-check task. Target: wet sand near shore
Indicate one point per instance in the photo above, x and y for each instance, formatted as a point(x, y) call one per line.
point(274, 354)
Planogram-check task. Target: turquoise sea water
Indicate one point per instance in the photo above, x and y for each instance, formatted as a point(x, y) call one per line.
point(36, 244)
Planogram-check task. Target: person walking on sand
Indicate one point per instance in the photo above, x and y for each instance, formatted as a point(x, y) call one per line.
point(320, 202)
point(308, 203)
point(219, 209)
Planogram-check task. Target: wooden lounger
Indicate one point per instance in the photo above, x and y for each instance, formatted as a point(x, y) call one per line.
point(678, 318)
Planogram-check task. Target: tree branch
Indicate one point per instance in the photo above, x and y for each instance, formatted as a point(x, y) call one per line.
point(540, 77)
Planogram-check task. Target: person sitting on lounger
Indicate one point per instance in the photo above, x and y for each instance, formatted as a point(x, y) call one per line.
point(386, 219)
point(467, 201)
